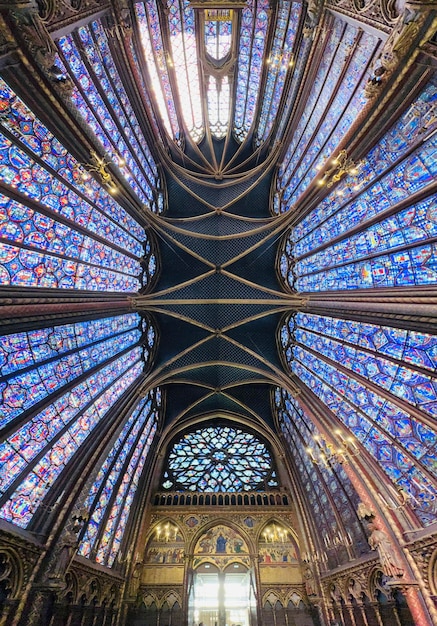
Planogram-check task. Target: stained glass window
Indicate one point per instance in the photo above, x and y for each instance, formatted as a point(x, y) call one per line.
point(111, 117)
point(253, 37)
point(219, 458)
point(157, 64)
point(112, 492)
point(279, 63)
point(57, 384)
point(395, 245)
point(182, 32)
point(218, 99)
point(314, 141)
point(59, 230)
point(412, 128)
point(28, 494)
point(376, 392)
point(218, 33)
point(327, 487)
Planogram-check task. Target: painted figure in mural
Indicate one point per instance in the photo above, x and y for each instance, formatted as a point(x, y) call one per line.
point(238, 544)
point(221, 544)
point(205, 545)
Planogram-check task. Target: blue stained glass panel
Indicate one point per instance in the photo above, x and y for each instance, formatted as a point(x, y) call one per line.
point(279, 65)
point(300, 433)
point(91, 104)
point(25, 500)
point(28, 130)
point(399, 441)
point(23, 391)
point(253, 36)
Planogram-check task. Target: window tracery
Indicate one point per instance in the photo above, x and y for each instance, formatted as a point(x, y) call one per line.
point(219, 458)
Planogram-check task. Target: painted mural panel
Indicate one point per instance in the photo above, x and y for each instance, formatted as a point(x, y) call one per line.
point(220, 545)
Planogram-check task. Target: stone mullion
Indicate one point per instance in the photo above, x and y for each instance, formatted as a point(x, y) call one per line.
point(289, 80)
point(304, 516)
point(326, 421)
point(29, 468)
point(373, 353)
point(134, 532)
point(332, 98)
point(315, 411)
point(372, 255)
point(47, 97)
point(142, 69)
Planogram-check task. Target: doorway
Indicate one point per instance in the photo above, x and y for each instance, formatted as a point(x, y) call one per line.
point(222, 598)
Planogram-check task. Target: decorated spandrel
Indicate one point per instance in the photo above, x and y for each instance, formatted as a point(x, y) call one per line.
point(28, 494)
point(219, 458)
point(124, 456)
point(165, 545)
point(220, 545)
point(276, 547)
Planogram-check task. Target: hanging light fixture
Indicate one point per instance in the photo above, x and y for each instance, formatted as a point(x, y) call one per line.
point(324, 452)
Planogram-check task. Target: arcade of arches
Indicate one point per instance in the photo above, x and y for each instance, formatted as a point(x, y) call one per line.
point(218, 328)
